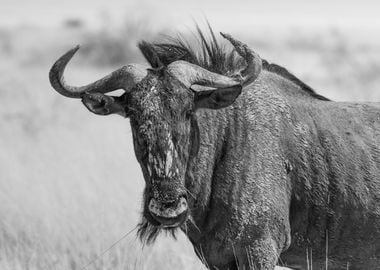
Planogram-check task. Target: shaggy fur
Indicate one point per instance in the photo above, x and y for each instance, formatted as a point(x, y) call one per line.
point(279, 172)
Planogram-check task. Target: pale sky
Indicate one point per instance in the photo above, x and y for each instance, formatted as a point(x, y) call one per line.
point(223, 14)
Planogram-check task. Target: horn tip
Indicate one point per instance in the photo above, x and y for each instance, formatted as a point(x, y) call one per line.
point(64, 59)
point(72, 51)
point(75, 49)
point(225, 35)
point(56, 72)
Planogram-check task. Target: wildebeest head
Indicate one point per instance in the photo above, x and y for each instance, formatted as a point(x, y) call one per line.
point(160, 103)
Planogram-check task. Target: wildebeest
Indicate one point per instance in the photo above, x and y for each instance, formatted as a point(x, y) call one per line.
point(250, 162)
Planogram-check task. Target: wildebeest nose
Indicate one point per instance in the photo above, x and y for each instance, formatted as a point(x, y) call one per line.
point(169, 203)
point(169, 208)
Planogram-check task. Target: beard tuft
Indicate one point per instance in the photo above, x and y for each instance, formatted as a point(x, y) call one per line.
point(148, 232)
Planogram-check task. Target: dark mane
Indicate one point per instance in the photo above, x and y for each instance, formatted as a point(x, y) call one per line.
point(286, 74)
point(208, 53)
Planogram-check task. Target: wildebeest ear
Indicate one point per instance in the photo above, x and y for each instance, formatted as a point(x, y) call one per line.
point(104, 105)
point(216, 98)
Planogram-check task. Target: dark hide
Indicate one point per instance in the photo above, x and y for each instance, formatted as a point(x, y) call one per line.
point(279, 167)
point(281, 171)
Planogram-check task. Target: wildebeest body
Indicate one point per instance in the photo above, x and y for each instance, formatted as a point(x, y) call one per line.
point(280, 162)
point(253, 165)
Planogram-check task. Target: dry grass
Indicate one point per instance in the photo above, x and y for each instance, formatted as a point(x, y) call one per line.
point(69, 183)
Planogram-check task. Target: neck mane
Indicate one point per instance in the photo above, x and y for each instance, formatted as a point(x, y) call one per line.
point(210, 54)
point(283, 72)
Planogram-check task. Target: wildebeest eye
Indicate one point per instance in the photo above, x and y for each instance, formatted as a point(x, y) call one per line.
point(188, 114)
point(175, 139)
point(141, 141)
point(128, 112)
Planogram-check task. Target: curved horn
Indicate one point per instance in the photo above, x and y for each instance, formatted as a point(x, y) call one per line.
point(190, 74)
point(123, 78)
point(254, 62)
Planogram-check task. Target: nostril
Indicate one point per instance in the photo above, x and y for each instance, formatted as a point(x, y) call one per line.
point(169, 204)
point(182, 203)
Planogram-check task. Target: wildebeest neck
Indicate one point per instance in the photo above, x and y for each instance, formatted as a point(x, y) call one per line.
point(207, 141)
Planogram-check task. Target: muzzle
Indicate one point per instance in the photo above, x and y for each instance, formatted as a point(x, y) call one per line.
point(171, 213)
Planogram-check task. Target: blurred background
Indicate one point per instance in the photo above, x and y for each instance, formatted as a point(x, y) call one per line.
point(70, 186)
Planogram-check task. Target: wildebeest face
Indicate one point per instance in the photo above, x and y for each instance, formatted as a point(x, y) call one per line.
point(161, 103)
point(160, 109)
